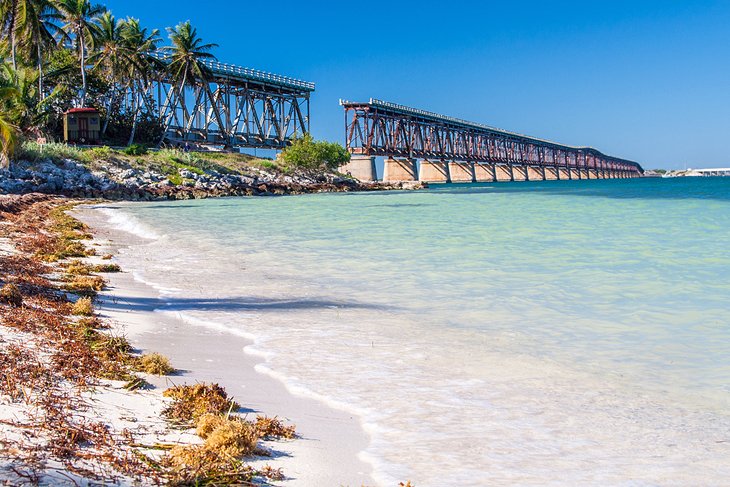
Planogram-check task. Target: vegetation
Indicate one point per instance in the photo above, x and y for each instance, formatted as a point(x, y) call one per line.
point(10, 294)
point(69, 348)
point(65, 53)
point(192, 402)
point(83, 307)
point(311, 155)
point(154, 363)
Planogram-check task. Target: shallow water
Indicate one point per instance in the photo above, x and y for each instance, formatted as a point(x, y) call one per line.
point(497, 334)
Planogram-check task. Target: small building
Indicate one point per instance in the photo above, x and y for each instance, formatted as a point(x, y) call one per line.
point(81, 125)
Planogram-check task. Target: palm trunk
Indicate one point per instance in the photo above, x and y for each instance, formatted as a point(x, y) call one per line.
point(82, 57)
point(11, 31)
point(109, 111)
point(135, 106)
point(41, 95)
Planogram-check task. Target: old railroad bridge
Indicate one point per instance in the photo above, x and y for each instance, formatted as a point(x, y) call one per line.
point(241, 107)
point(455, 150)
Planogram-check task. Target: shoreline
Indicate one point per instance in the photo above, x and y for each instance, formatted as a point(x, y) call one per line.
point(331, 441)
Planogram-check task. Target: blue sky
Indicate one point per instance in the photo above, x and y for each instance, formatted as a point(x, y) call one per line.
point(644, 80)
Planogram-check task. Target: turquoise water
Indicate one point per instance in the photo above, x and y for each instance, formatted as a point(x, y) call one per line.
point(519, 333)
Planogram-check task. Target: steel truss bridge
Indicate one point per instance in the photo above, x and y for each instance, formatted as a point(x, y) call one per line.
point(452, 149)
point(236, 107)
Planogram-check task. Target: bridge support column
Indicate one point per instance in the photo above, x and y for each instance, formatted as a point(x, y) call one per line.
point(519, 173)
point(585, 174)
point(400, 170)
point(573, 173)
point(433, 172)
point(551, 173)
point(503, 173)
point(483, 173)
point(564, 173)
point(592, 174)
point(461, 172)
point(361, 167)
point(534, 174)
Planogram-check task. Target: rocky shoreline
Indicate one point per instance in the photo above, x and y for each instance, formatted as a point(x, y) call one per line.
point(117, 182)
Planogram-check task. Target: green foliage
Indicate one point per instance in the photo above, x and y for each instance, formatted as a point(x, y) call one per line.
point(34, 152)
point(135, 150)
point(312, 155)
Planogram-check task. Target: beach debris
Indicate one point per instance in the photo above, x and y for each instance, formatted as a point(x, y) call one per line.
point(269, 428)
point(10, 294)
point(52, 371)
point(85, 285)
point(154, 363)
point(83, 307)
point(190, 402)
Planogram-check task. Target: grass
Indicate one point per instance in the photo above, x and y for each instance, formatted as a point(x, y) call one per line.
point(165, 161)
point(154, 363)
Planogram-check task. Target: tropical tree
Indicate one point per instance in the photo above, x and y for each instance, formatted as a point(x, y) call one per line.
point(9, 15)
point(41, 33)
point(80, 21)
point(111, 58)
point(9, 101)
point(186, 55)
point(142, 63)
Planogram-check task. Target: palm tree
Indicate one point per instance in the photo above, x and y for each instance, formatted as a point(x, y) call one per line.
point(9, 15)
point(41, 32)
point(186, 58)
point(111, 57)
point(80, 21)
point(9, 101)
point(186, 55)
point(140, 47)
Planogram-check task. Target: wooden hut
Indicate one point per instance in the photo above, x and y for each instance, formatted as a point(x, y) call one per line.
point(81, 125)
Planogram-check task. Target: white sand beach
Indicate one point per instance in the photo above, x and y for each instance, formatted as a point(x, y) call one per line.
point(330, 440)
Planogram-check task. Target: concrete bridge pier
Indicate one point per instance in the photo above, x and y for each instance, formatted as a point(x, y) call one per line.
point(360, 167)
point(520, 173)
point(551, 173)
point(574, 173)
point(462, 172)
point(504, 173)
point(434, 172)
point(484, 173)
point(564, 173)
point(535, 174)
point(400, 170)
point(585, 173)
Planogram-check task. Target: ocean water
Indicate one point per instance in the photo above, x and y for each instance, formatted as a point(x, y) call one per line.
point(554, 333)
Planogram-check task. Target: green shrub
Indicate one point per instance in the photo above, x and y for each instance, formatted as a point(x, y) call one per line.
point(135, 150)
point(97, 154)
point(314, 155)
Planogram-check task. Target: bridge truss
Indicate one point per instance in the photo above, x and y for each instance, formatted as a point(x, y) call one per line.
point(379, 128)
point(237, 107)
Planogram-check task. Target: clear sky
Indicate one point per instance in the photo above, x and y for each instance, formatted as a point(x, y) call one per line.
point(644, 80)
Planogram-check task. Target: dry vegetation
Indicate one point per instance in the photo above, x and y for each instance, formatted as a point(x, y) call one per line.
point(67, 350)
point(154, 363)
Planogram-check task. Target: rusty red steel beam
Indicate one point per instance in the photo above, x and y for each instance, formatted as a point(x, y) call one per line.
point(378, 128)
